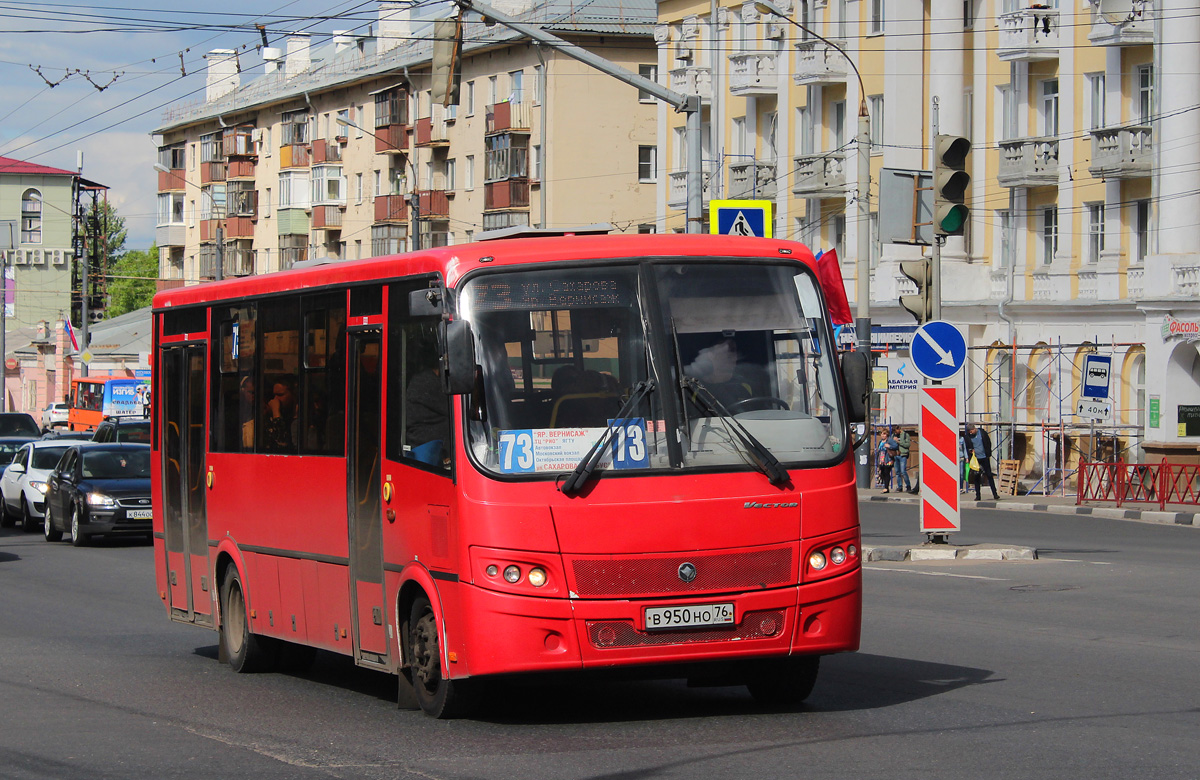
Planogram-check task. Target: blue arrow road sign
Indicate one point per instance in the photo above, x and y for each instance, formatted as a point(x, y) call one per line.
point(938, 350)
point(1096, 372)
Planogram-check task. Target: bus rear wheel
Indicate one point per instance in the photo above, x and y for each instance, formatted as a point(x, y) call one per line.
point(785, 682)
point(246, 651)
point(436, 694)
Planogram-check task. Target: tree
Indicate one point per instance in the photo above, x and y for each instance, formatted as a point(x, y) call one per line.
point(101, 234)
point(133, 281)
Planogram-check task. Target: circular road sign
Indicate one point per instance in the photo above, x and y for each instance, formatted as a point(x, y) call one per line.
point(938, 350)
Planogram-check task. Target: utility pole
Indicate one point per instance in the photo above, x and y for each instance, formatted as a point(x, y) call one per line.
point(688, 104)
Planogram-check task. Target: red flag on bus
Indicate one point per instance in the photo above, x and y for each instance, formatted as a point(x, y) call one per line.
point(829, 272)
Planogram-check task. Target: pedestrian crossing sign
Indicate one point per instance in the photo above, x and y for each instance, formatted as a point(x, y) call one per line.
point(740, 218)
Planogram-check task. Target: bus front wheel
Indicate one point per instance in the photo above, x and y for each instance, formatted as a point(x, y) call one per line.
point(785, 682)
point(436, 694)
point(246, 652)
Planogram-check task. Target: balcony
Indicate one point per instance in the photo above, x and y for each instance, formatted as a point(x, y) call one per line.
point(1029, 35)
point(677, 198)
point(391, 208)
point(328, 217)
point(819, 63)
point(431, 132)
point(754, 73)
point(391, 139)
point(754, 179)
point(325, 151)
point(820, 176)
point(1028, 162)
point(508, 194)
point(171, 180)
point(508, 116)
point(213, 171)
point(294, 156)
point(170, 235)
point(240, 169)
point(238, 258)
point(239, 227)
point(693, 80)
point(433, 204)
point(1122, 153)
point(1134, 29)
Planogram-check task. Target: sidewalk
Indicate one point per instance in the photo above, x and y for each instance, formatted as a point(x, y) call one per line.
point(1061, 505)
point(1175, 514)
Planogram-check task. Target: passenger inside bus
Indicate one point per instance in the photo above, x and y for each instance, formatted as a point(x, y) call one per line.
point(279, 432)
point(246, 411)
point(427, 411)
point(719, 370)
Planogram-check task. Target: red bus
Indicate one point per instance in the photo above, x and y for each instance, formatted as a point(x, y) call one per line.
point(95, 398)
point(515, 456)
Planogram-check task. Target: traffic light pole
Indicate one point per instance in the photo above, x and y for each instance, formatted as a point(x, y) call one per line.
point(935, 250)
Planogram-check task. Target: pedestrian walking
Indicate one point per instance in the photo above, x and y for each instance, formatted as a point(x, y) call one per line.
point(979, 444)
point(903, 448)
point(886, 458)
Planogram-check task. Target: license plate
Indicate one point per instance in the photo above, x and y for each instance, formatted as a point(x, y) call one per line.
point(689, 616)
point(139, 514)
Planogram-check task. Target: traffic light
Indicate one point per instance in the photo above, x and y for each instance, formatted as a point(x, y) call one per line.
point(950, 182)
point(920, 306)
point(447, 60)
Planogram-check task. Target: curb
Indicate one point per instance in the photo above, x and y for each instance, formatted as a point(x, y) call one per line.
point(949, 552)
point(1109, 513)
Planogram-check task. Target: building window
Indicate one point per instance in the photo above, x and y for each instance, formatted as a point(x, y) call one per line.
point(328, 185)
point(968, 15)
point(804, 130)
point(358, 187)
point(1049, 234)
point(294, 190)
point(1145, 91)
point(1095, 212)
point(388, 240)
point(535, 163)
point(875, 104)
point(876, 21)
point(1142, 229)
point(170, 208)
point(469, 173)
point(1095, 82)
point(1050, 107)
point(839, 125)
point(31, 217)
point(1137, 381)
point(838, 226)
point(650, 73)
point(470, 98)
point(1008, 126)
point(266, 203)
point(516, 81)
point(451, 175)
point(212, 202)
point(647, 163)
point(739, 138)
point(294, 129)
point(493, 89)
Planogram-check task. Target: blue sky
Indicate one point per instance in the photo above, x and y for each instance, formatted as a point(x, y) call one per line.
point(115, 66)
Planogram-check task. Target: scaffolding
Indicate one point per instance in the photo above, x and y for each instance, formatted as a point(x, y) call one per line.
point(1027, 396)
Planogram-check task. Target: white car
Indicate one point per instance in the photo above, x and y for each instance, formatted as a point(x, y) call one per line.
point(54, 415)
point(23, 486)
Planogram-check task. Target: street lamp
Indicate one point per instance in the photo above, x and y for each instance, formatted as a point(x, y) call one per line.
point(414, 201)
point(220, 270)
point(862, 322)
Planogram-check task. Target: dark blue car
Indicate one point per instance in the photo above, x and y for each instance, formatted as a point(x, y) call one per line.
point(99, 489)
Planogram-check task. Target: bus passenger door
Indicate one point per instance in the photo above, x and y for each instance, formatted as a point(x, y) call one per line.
point(365, 510)
point(185, 522)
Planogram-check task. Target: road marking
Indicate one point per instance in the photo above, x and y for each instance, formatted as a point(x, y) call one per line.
point(936, 573)
point(1074, 560)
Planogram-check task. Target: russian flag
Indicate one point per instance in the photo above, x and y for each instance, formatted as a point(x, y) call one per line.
point(71, 333)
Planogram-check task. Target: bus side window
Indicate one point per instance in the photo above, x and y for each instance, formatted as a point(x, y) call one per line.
point(419, 427)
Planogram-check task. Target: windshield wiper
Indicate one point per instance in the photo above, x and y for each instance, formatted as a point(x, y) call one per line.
point(579, 477)
point(762, 458)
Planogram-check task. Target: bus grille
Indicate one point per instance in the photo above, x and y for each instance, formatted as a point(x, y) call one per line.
point(757, 570)
point(605, 634)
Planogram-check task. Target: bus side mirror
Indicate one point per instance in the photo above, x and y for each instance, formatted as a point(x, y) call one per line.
point(429, 302)
point(856, 374)
point(459, 357)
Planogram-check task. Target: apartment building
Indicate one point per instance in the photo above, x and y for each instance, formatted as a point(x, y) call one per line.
point(1085, 196)
point(339, 151)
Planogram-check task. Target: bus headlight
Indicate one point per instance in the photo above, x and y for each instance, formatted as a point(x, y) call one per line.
point(512, 574)
point(101, 501)
point(817, 560)
point(537, 577)
point(837, 555)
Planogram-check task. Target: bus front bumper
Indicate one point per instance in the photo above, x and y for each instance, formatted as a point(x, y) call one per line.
point(513, 634)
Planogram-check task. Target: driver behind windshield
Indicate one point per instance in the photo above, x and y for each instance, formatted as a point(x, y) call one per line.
point(718, 369)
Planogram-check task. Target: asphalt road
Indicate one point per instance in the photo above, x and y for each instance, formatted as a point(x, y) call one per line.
point(1083, 664)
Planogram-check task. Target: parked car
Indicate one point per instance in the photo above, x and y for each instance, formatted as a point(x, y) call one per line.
point(23, 485)
point(65, 435)
point(55, 415)
point(19, 424)
point(134, 429)
point(99, 489)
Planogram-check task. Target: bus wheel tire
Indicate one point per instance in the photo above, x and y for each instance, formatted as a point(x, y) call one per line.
point(246, 651)
point(51, 533)
point(786, 682)
point(437, 696)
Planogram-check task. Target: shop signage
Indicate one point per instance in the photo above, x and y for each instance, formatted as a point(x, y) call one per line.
point(1188, 330)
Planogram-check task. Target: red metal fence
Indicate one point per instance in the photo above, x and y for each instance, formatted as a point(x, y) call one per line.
point(1158, 483)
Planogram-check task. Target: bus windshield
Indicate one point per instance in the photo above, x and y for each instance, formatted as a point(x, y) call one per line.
point(733, 348)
